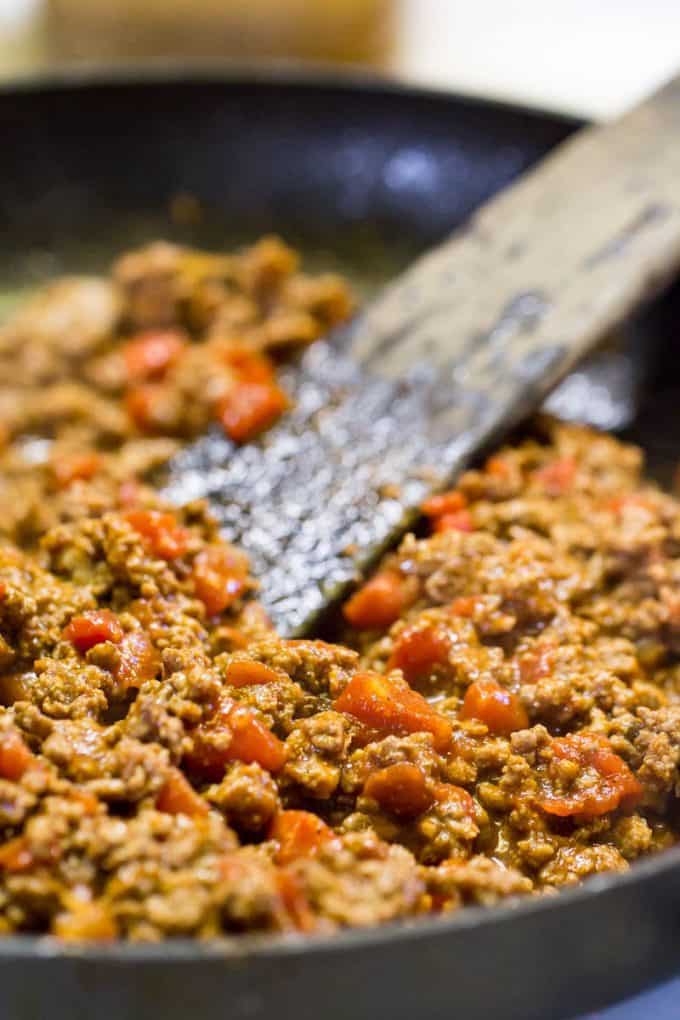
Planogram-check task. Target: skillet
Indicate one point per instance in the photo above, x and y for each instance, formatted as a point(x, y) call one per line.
point(362, 174)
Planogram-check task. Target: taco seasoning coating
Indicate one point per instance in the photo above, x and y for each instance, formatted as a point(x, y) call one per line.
point(502, 718)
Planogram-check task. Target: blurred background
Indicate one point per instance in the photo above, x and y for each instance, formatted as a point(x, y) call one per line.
point(584, 57)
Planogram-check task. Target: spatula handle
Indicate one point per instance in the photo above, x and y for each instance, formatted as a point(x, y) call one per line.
point(545, 270)
point(470, 339)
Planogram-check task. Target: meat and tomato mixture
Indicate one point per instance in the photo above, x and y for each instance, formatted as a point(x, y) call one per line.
point(101, 379)
point(502, 718)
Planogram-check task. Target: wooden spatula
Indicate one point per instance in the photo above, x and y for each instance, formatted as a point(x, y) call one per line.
point(453, 353)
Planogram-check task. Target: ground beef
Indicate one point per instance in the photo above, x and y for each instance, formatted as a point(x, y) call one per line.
point(98, 376)
point(500, 719)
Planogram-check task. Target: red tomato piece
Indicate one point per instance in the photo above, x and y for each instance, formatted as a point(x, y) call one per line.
point(87, 800)
point(248, 673)
point(557, 477)
point(78, 467)
point(605, 785)
point(249, 408)
point(150, 354)
point(251, 366)
point(3, 591)
point(447, 793)
point(86, 922)
point(16, 757)
point(401, 790)
point(297, 908)
point(460, 521)
point(233, 733)
point(495, 706)
point(92, 628)
point(162, 534)
point(220, 574)
point(537, 663)
point(139, 660)
point(444, 503)
point(617, 504)
point(381, 601)
point(144, 405)
point(178, 797)
point(299, 834)
point(419, 650)
point(497, 467)
point(465, 605)
point(15, 855)
point(387, 708)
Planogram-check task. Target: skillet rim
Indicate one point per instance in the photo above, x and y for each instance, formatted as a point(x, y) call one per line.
point(309, 77)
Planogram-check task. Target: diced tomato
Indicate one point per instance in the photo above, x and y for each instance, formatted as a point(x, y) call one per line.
point(3, 591)
point(609, 784)
point(444, 503)
point(617, 504)
point(150, 354)
point(448, 512)
point(401, 790)
point(86, 922)
point(248, 673)
point(419, 650)
point(78, 467)
point(249, 408)
point(15, 855)
point(144, 405)
point(557, 477)
point(87, 800)
point(388, 708)
point(537, 663)
point(233, 733)
point(461, 521)
point(498, 467)
point(15, 757)
point(295, 903)
point(139, 660)
point(220, 574)
point(162, 535)
point(465, 605)
point(495, 706)
point(93, 627)
point(178, 797)
point(447, 793)
point(251, 366)
point(380, 601)
point(299, 834)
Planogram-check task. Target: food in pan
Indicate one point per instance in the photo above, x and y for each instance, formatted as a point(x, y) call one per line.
point(501, 717)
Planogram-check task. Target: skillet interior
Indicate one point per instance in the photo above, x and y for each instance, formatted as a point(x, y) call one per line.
point(361, 176)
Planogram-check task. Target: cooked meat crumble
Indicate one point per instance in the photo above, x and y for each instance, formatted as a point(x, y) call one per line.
point(502, 719)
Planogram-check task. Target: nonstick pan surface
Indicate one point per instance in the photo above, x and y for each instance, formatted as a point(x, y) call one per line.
point(362, 175)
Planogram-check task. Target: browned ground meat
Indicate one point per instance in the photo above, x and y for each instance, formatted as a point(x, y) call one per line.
point(503, 719)
point(100, 378)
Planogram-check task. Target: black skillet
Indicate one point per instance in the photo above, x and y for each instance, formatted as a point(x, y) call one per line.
point(361, 174)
